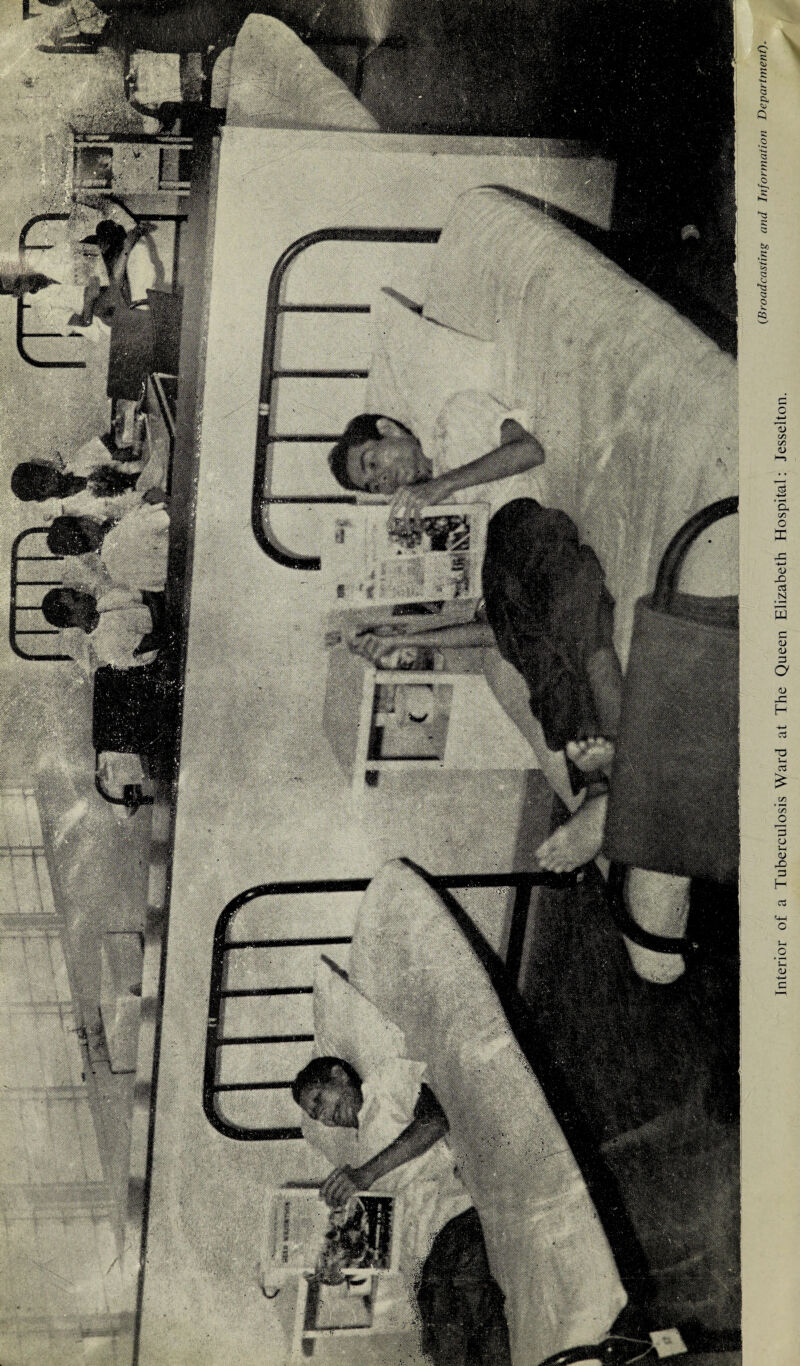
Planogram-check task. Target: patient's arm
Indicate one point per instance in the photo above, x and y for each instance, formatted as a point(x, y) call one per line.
point(426, 1128)
point(467, 635)
point(518, 451)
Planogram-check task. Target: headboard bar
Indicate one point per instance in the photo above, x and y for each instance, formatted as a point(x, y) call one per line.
point(259, 953)
point(272, 371)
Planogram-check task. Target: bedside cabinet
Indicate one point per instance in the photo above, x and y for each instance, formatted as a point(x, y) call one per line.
point(390, 720)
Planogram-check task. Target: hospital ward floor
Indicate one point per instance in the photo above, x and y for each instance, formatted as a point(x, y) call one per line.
point(644, 1079)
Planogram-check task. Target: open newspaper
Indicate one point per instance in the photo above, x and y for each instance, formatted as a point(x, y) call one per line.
point(305, 1236)
point(367, 562)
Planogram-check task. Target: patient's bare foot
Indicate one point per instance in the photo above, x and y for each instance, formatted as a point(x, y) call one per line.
point(592, 753)
point(576, 842)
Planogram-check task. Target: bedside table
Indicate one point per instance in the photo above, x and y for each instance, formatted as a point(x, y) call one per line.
point(390, 720)
point(326, 1311)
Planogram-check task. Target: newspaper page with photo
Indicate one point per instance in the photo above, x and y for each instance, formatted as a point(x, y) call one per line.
point(367, 562)
point(302, 1235)
point(768, 196)
point(526, 273)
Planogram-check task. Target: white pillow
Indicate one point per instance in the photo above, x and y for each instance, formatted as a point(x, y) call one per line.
point(347, 1025)
point(416, 365)
point(337, 1146)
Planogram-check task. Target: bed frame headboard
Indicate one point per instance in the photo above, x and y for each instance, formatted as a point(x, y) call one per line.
point(34, 570)
point(286, 303)
point(60, 350)
point(260, 1016)
point(289, 459)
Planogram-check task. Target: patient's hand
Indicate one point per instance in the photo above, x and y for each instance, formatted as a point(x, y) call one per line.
point(372, 646)
point(406, 506)
point(342, 1183)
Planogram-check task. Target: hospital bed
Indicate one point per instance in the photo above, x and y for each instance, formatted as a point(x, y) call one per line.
point(132, 710)
point(409, 950)
point(635, 407)
point(42, 338)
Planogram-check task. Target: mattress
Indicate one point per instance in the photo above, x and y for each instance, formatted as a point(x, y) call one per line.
point(275, 81)
point(546, 1247)
point(635, 407)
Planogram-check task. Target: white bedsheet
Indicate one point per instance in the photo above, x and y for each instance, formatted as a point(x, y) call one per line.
point(275, 81)
point(636, 409)
point(546, 1247)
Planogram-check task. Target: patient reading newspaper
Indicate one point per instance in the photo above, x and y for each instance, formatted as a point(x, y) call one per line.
point(305, 1236)
point(367, 562)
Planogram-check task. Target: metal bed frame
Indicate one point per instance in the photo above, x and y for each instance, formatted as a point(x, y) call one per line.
point(618, 246)
point(272, 371)
point(20, 557)
point(520, 883)
point(22, 335)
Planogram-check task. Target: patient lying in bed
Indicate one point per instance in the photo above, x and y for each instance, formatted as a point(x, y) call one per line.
point(398, 1131)
point(397, 1128)
point(475, 441)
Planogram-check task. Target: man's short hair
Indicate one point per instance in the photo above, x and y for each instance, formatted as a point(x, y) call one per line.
point(27, 480)
point(319, 1072)
point(363, 427)
point(67, 537)
point(58, 606)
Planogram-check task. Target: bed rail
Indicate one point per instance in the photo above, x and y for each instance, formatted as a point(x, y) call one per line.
point(72, 341)
point(25, 621)
point(272, 372)
point(25, 246)
point(261, 987)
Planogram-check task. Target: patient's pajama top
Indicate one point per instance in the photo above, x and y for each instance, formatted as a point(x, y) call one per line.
point(430, 1186)
point(468, 427)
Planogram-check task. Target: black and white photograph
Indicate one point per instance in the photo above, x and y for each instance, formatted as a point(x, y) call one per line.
point(370, 687)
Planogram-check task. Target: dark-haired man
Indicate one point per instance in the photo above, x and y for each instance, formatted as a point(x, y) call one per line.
point(477, 447)
point(331, 1092)
point(114, 628)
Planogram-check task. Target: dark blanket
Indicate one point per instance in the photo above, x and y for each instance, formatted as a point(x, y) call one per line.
point(550, 610)
point(143, 340)
point(133, 710)
point(460, 1303)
